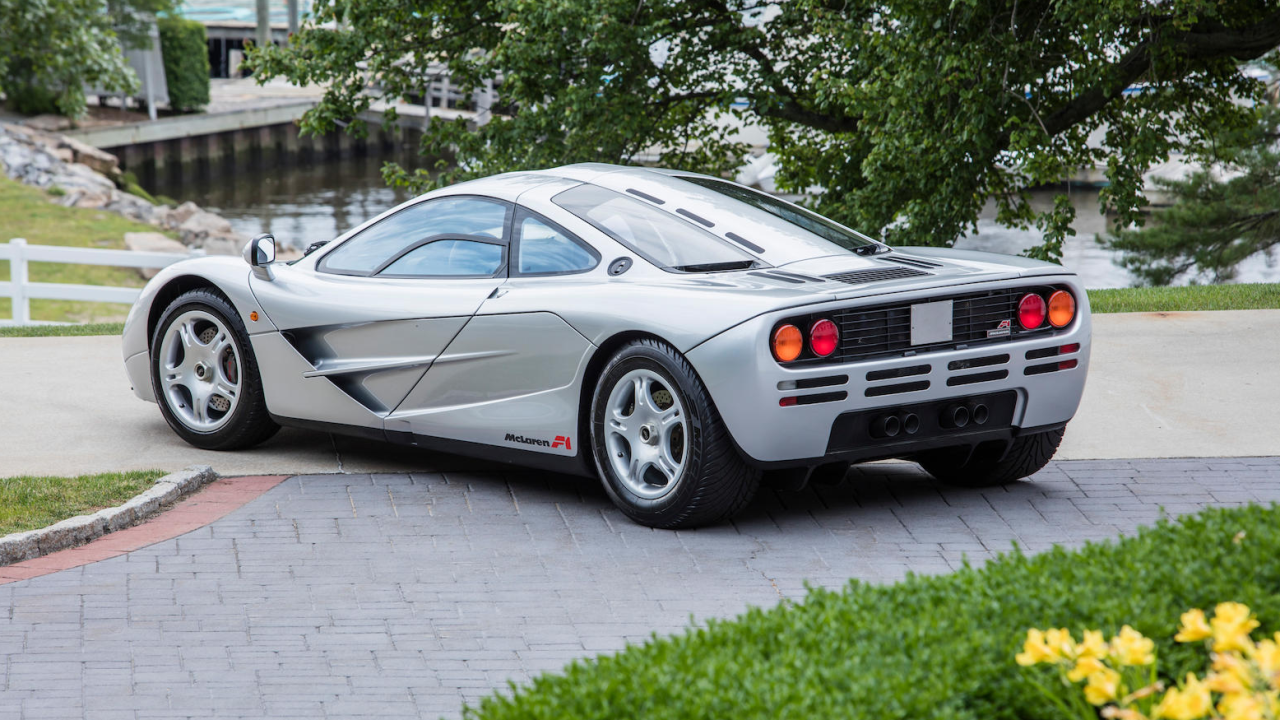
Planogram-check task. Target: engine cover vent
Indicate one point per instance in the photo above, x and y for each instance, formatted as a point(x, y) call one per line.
point(912, 261)
point(861, 277)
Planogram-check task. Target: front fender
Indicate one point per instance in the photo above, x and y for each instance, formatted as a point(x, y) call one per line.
point(229, 275)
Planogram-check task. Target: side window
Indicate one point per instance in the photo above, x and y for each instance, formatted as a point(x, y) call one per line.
point(380, 243)
point(448, 257)
point(544, 248)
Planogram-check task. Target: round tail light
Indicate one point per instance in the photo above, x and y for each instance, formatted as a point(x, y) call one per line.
point(1062, 309)
point(787, 343)
point(1031, 311)
point(824, 337)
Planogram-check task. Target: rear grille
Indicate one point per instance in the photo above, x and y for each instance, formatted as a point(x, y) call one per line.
point(885, 330)
point(862, 277)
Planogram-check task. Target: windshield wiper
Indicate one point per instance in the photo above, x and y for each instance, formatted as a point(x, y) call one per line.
point(717, 266)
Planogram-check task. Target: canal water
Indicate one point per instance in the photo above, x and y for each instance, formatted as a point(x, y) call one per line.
point(304, 202)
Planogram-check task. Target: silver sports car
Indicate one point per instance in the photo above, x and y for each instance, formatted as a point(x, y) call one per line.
point(680, 336)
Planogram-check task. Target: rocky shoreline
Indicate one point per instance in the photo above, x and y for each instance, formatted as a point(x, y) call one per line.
point(78, 175)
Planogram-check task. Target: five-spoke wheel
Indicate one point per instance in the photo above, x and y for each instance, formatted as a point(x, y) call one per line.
point(660, 447)
point(645, 433)
point(200, 370)
point(204, 374)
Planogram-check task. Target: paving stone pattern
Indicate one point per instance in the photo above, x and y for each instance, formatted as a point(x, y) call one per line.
point(407, 595)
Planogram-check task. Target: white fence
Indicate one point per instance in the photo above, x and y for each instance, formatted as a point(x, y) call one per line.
point(23, 291)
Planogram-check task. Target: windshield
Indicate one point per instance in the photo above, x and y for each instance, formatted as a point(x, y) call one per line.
point(657, 236)
point(794, 214)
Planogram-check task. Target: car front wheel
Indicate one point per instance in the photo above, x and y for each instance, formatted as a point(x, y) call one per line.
point(205, 376)
point(660, 447)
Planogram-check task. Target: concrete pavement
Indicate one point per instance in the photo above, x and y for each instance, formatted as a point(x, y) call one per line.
point(1160, 385)
point(405, 595)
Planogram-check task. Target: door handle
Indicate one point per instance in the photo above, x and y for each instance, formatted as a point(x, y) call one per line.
point(498, 292)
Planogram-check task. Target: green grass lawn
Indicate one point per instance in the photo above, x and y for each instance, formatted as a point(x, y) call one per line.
point(27, 503)
point(1258, 296)
point(27, 212)
point(109, 328)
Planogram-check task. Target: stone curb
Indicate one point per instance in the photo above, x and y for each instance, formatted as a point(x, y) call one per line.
point(83, 528)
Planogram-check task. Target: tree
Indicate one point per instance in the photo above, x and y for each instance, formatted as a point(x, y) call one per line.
point(51, 49)
point(1219, 217)
point(905, 115)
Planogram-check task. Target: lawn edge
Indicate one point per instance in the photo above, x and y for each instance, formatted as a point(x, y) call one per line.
point(81, 529)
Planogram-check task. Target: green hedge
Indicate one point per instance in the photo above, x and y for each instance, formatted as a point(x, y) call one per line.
point(186, 62)
point(928, 647)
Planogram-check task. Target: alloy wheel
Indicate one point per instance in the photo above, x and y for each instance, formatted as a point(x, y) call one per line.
point(200, 371)
point(646, 433)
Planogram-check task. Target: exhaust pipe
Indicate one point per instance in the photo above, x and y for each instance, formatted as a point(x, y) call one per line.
point(954, 417)
point(910, 424)
point(886, 426)
point(979, 413)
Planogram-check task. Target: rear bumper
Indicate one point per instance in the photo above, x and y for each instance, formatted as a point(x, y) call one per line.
point(838, 402)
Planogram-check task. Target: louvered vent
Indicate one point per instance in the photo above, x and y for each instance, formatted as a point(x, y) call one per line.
point(913, 262)
point(862, 277)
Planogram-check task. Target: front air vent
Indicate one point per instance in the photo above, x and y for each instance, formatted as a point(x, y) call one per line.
point(913, 262)
point(862, 277)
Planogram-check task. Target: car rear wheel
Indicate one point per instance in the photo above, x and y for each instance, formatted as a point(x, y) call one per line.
point(205, 376)
point(990, 465)
point(661, 449)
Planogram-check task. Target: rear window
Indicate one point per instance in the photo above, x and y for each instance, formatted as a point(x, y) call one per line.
point(659, 237)
point(794, 214)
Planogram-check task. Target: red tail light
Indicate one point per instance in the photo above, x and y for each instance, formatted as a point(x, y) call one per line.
point(1031, 311)
point(824, 337)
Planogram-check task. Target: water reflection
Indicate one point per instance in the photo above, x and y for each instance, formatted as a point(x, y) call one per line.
point(1082, 253)
point(299, 202)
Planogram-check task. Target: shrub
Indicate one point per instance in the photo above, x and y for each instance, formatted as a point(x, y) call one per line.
point(186, 62)
point(24, 96)
point(928, 647)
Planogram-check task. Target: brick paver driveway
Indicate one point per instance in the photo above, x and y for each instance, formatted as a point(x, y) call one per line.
point(405, 595)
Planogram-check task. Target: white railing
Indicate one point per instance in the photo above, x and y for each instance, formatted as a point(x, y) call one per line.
point(23, 291)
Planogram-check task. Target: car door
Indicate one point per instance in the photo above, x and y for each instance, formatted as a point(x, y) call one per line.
point(511, 376)
point(361, 323)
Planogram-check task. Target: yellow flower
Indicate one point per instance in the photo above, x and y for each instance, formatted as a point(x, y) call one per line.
point(1194, 627)
point(1240, 707)
point(1060, 642)
point(1192, 702)
point(1086, 667)
point(1232, 622)
point(1092, 646)
point(1131, 648)
point(1034, 650)
point(1268, 658)
point(1111, 712)
point(1103, 687)
point(1231, 673)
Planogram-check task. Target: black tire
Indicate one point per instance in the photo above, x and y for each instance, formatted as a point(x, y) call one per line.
point(990, 464)
point(250, 423)
point(714, 482)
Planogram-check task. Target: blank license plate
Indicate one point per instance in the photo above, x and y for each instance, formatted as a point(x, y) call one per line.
point(931, 322)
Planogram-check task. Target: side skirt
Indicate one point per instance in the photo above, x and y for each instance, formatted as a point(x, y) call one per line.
point(575, 465)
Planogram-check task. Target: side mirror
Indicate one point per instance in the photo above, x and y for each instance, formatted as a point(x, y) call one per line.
point(261, 250)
